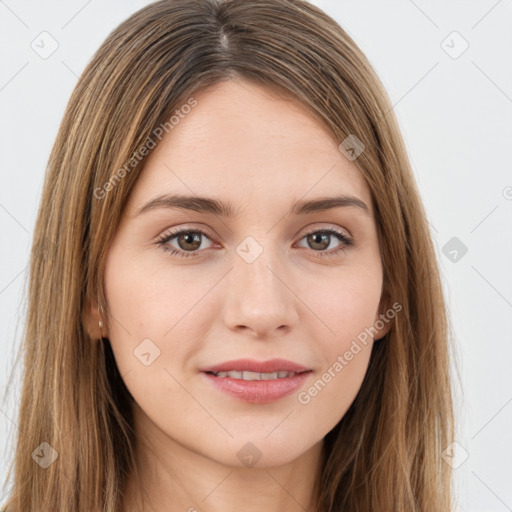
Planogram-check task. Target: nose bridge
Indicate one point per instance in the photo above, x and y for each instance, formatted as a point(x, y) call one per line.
point(257, 268)
point(259, 295)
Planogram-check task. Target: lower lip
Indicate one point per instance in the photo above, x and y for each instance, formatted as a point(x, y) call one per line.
point(258, 391)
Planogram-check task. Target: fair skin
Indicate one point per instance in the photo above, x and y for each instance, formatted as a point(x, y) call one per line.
point(243, 145)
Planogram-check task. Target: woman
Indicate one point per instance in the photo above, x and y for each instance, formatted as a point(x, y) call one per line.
point(234, 299)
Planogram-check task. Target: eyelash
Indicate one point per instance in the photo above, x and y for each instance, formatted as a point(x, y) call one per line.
point(347, 242)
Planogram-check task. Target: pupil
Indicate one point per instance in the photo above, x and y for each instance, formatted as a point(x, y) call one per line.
point(323, 243)
point(190, 239)
point(318, 240)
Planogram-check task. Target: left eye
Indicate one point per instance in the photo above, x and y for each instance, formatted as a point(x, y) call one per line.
point(190, 241)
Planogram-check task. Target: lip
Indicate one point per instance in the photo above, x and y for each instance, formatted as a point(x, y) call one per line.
point(251, 365)
point(258, 391)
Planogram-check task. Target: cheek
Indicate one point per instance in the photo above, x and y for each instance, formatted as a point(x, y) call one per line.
point(347, 308)
point(154, 310)
point(329, 395)
point(176, 308)
point(150, 300)
point(346, 304)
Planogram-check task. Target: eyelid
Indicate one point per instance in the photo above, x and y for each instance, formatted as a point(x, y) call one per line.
point(172, 233)
point(334, 227)
point(185, 227)
point(344, 237)
point(303, 231)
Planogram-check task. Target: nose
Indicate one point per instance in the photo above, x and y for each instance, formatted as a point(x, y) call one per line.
point(260, 297)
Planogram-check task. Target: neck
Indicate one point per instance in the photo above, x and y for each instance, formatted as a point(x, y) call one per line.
point(170, 477)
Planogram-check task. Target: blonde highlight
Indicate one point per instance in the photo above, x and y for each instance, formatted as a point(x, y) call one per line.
point(385, 453)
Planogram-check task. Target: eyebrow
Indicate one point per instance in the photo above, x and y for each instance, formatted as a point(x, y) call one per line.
point(228, 210)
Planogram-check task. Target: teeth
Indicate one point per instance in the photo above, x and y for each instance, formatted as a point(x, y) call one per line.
point(244, 375)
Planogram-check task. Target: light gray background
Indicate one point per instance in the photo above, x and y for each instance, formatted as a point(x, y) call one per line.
point(456, 118)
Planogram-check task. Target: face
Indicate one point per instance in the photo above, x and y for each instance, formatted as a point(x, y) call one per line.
point(262, 283)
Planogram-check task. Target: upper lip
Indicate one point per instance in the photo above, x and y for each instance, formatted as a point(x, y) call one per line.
point(251, 365)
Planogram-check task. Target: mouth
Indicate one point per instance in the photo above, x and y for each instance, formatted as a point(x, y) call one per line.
point(251, 366)
point(257, 382)
point(248, 375)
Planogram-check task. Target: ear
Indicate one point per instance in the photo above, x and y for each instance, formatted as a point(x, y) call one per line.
point(383, 318)
point(91, 320)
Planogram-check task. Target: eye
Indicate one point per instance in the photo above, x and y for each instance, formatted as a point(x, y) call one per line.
point(187, 239)
point(321, 239)
point(190, 241)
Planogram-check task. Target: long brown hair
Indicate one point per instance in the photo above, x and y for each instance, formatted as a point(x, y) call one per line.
point(386, 452)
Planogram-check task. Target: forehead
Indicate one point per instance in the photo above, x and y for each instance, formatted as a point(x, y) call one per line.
point(248, 143)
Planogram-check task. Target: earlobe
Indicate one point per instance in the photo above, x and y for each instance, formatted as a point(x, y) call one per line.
point(382, 323)
point(93, 321)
